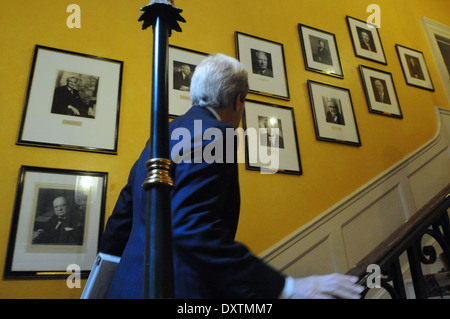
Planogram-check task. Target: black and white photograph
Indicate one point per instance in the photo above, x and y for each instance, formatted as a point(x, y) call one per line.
point(320, 51)
point(380, 92)
point(333, 114)
point(333, 110)
point(182, 75)
point(57, 221)
point(414, 68)
point(75, 94)
point(182, 64)
point(59, 218)
point(270, 132)
point(271, 144)
point(72, 102)
point(262, 63)
point(366, 40)
point(265, 62)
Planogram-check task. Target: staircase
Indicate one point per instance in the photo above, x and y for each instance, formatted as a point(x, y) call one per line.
point(382, 223)
point(431, 221)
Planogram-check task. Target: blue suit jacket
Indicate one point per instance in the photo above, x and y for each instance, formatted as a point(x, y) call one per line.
point(208, 262)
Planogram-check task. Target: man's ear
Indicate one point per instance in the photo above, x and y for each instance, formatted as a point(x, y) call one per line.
point(238, 103)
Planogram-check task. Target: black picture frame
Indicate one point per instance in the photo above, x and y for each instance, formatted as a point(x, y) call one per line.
point(264, 59)
point(72, 102)
point(320, 51)
point(57, 221)
point(380, 92)
point(366, 40)
point(179, 97)
point(340, 127)
point(414, 68)
point(281, 154)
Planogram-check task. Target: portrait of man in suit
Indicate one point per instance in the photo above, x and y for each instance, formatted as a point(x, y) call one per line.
point(415, 70)
point(59, 219)
point(77, 96)
point(270, 132)
point(333, 111)
point(182, 73)
point(380, 90)
point(366, 39)
point(262, 63)
point(321, 50)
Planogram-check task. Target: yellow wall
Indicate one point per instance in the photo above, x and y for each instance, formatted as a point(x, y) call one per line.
point(272, 205)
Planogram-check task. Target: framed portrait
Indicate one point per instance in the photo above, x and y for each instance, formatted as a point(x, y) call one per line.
point(72, 102)
point(271, 144)
point(414, 68)
point(366, 40)
point(264, 61)
point(438, 36)
point(182, 64)
point(320, 51)
point(333, 114)
point(57, 221)
point(380, 92)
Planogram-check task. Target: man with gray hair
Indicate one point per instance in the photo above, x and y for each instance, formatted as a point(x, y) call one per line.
point(208, 262)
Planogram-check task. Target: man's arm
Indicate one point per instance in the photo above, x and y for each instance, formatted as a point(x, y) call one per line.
point(118, 227)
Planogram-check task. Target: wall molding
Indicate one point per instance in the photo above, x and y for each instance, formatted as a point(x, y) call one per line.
point(346, 232)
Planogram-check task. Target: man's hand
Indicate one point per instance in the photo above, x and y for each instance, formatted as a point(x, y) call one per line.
point(74, 110)
point(36, 234)
point(330, 286)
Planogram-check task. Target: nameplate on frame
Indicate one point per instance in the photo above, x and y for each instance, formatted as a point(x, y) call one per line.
point(74, 123)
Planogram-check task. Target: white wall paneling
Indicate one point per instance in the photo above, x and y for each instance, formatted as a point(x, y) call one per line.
point(346, 232)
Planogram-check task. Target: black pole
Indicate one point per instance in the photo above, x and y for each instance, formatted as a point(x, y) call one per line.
point(158, 256)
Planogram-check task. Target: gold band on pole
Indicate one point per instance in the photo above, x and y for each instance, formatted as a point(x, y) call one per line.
point(158, 172)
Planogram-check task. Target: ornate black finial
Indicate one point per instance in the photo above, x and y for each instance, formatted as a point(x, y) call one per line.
point(161, 8)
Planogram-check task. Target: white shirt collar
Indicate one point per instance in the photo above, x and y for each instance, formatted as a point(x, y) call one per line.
point(214, 113)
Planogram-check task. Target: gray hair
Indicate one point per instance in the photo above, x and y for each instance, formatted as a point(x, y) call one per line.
point(217, 81)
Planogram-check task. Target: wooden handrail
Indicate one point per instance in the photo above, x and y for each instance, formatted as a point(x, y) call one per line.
point(385, 254)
